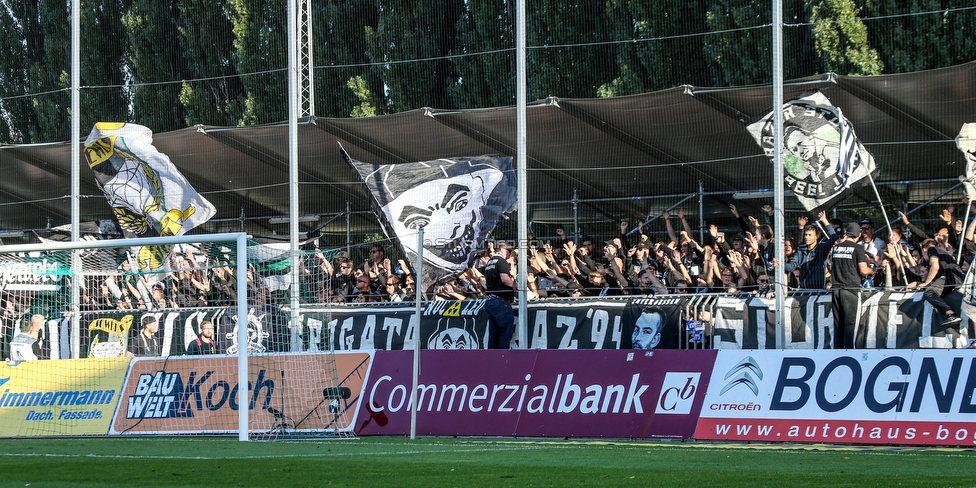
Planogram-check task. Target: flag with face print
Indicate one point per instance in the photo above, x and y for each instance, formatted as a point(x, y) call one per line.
point(457, 201)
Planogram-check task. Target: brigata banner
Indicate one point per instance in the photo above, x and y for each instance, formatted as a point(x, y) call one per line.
point(198, 394)
point(463, 324)
point(888, 320)
point(860, 397)
point(65, 397)
point(538, 393)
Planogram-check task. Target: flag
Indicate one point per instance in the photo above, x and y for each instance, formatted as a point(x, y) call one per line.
point(966, 142)
point(823, 159)
point(457, 201)
point(148, 195)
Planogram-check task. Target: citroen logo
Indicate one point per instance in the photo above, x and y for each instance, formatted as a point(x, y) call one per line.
point(744, 373)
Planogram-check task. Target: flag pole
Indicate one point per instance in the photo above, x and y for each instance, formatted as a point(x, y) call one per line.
point(884, 214)
point(965, 224)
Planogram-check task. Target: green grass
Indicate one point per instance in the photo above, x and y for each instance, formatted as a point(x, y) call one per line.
point(468, 463)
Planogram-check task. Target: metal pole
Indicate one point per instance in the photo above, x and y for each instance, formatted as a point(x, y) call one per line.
point(75, 175)
point(416, 335)
point(576, 228)
point(242, 390)
point(293, 209)
point(962, 237)
point(523, 213)
point(348, 229)
point(701, 211)
point(778, 199)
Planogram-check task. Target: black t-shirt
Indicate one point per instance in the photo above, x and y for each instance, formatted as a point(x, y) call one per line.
point(197, 346)
point(496, 267)
point(947, 265)
point(140, 345)
point(845, 271)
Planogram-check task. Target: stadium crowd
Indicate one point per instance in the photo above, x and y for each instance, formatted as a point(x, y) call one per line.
point(630, 263)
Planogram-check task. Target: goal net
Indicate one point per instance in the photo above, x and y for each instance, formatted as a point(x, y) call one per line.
point(155, 336)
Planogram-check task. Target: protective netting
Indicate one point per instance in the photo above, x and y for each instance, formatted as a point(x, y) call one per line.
point(178, 321)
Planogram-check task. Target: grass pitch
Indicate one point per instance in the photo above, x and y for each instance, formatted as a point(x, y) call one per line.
point(386, 461)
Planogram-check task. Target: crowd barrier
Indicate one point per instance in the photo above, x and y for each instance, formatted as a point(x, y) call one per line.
point(889, 397)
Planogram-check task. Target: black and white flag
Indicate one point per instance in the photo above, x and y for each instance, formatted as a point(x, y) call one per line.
point(457, 201)
point(822, 157)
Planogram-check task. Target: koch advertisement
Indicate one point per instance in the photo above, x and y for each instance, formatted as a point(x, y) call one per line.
point(845, 396)
point(567, 393)
point(286, 393)
point(64, 397)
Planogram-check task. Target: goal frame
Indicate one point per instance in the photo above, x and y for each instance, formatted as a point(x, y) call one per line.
point(240, 238)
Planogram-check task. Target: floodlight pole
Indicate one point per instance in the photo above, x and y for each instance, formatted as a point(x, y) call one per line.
point(778, 199)
point(293, 107)
point(75, 175)
point(523, 213)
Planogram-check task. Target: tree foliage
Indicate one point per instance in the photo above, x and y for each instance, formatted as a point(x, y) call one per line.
point(169, 64)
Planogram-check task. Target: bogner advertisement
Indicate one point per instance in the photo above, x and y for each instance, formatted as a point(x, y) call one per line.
point(911, 397)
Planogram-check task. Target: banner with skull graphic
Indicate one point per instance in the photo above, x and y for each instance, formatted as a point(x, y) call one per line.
point(823, 159)
point(457, 201)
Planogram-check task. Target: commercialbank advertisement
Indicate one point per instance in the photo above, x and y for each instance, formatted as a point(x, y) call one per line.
point(552, 393)
point(59, 397)
point(911, 397)
point(199, 394)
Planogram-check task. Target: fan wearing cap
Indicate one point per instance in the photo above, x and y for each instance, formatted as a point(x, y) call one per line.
point(848, 264)
point(873, 246)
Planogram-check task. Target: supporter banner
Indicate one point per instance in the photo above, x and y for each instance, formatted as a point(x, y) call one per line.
point(888, 320)
point(457, 201)
point(68, 397)
point(193, 395)
point(538, 393)
point(823, 159)
point(107, 333)
point(584, 324)
point(148, 195)
point(444, 325)
point(861, 397)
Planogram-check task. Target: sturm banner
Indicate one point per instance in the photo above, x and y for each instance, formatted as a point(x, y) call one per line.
point(861, 397)
point(106, 334)
point(888, 320)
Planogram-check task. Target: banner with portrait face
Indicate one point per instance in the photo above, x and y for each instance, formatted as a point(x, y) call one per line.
point(457, 201)
point(823, 159)
point(652, 323)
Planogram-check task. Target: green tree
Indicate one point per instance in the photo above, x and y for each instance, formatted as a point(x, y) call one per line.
point(103, 63)
point(842, 39)
point(410, 46)
point(940, 33)
point(587, 61)
point(339, 35)
point(486, 55)
point(156, 64)
point(260, 56)
point(740, 50)
point(663, 55)
point(215, 96)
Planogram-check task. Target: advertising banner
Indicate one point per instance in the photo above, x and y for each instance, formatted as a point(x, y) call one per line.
point(64, 397)
point(538, 393)
point(888, 320)
point(198, 394)
point(845, 396)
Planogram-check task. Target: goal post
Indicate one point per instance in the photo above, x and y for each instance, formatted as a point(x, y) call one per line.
point(240, 241)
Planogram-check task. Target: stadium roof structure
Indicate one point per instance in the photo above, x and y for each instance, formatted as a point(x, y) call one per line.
point(621, 156)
